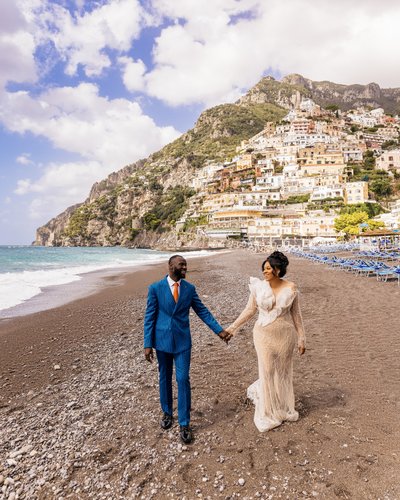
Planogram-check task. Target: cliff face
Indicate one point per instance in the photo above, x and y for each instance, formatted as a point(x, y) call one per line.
point(284, 93)
point(347, 96)
point(48, 235)
point(139, 204)
point(114, 179)
point(292, 87)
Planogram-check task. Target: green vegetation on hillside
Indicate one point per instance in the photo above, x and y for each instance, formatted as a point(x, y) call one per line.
point(372, 209)
point(103, 208)
point(79, 221)
point(169, 207)
point(219, 131)
point(300, 198)
point(391, 144)
point(379, 181)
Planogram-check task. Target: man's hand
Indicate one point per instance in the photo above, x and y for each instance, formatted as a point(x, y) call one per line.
point(225, 336)
point(148, 354)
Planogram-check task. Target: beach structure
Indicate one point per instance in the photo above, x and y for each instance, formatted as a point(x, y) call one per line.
point(379, 239)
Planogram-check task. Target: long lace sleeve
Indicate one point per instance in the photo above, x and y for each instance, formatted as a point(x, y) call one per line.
point(295, 312)
point(247, 313)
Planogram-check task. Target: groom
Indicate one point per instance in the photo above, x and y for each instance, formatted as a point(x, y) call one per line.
point(166, 329)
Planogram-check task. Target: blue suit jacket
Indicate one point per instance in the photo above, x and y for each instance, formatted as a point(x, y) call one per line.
point(166, 322)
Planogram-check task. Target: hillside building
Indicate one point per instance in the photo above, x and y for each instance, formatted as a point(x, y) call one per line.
point(355, 192)
point(389, 160)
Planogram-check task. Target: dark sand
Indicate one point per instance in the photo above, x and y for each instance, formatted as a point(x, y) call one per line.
point(90, 429)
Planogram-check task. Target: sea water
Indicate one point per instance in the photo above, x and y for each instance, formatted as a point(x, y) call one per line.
point(26, 270)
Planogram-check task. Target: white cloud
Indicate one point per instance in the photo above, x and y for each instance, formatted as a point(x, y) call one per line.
point(11, 18)
point(133, 73)
point(194, 11)
point(23, 186)
point(207, 58)
point(108, 134)
point(24, 159)
point(76, 119)
point(17, 46)
point(60, 186)
point(82, 39)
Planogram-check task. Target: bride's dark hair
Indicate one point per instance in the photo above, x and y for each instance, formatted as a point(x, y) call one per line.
point(277, 260)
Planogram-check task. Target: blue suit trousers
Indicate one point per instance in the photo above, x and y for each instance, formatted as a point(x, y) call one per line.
point(182, 367)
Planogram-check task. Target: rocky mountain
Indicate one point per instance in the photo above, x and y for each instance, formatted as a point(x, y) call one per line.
point(141, 202)
point(285, 93)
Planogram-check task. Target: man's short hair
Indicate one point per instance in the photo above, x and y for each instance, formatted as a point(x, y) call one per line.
point(173, 257)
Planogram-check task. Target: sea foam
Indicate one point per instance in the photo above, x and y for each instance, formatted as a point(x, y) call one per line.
point(18, 287)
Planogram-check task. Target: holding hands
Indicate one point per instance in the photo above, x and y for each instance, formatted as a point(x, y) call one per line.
point(225, 336)
point(149, 354)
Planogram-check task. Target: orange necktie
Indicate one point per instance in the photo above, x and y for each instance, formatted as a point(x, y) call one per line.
point(176, 293)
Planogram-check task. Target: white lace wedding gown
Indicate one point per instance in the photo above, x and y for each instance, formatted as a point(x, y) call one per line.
point(278, 330)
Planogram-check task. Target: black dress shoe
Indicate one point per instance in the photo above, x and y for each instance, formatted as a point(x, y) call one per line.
point(166, 421)
point(186, 434)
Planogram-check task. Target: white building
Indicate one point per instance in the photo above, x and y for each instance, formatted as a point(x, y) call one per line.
point(258, 198)
point(363, 119)
point(322, 192)
point(268, 182)
point(391, 219)
point(285, 158)
point(355, 192)
point(310, 226)
point(214, 202)
point(323, 168)
point(352, 155)
point(389, 160)
point(293, 186)
point(303, 140)
point(264, 142)
point(205, 174)
point(282, 129)
point(378, 113)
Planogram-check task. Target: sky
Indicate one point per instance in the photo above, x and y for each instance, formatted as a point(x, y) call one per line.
point(89, 86)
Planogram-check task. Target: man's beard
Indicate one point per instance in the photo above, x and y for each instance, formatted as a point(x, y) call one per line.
point(180, 274)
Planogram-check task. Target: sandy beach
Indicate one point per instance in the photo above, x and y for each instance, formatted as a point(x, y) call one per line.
point(79, 412)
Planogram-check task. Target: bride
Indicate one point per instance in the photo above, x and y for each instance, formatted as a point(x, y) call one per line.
point(278, 328)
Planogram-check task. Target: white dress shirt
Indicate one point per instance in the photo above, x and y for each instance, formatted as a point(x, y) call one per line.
point(171, 283)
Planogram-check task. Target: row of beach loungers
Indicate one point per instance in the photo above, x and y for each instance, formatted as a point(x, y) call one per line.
point(380, 255)
point(338, 247)
point(374, 266)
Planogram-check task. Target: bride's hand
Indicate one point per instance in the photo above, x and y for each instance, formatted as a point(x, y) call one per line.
point(225, 336)
point(302, 348)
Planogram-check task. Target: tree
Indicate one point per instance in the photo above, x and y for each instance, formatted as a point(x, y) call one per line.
point(381, 187)
point(349, 224)
point(369, 160)
point(372, 209)
point(389, 144)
